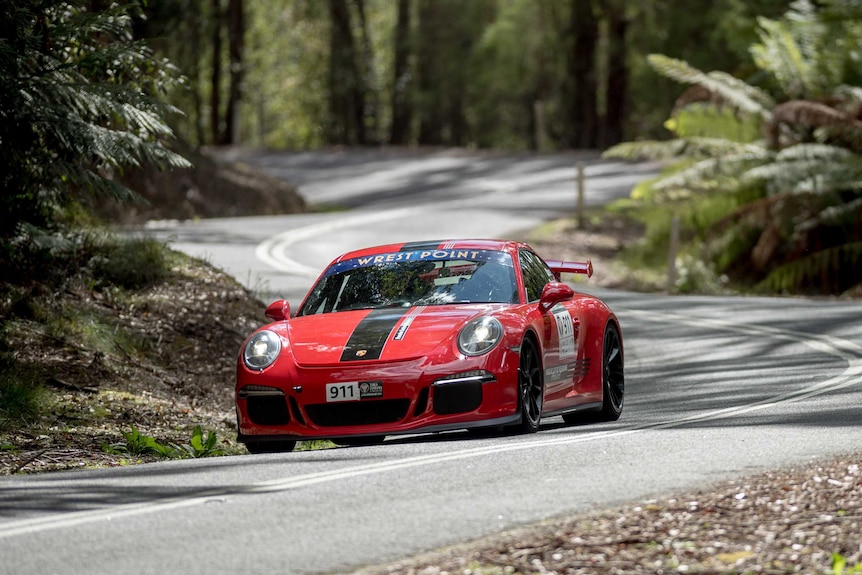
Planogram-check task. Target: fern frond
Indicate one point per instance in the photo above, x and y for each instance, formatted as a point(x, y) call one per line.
point(810, 168)
point(779, 54)
point(851, 93)
point(646, 150)
point(838, 215)
point(830, 271)
point(733, 91)
point(704, 171)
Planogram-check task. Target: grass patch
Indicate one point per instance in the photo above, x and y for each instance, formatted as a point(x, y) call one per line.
point(22, 397)
point(132, 263)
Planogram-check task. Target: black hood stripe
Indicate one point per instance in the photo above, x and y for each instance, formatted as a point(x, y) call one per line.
point(371, 334)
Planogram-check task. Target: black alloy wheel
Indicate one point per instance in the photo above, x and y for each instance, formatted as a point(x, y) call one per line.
point(270, 446)
point(531, 387)
point(613, 378)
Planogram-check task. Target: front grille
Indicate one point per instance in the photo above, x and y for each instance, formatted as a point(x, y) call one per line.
point(452, 398)
point(268, 409)
point(358, 412)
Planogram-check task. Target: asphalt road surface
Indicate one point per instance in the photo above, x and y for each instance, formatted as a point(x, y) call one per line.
point(716, 388)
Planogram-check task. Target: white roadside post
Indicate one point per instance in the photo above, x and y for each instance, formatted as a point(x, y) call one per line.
point(673, 248)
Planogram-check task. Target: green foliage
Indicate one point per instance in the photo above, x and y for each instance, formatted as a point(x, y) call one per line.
point(476, 69)
point(806, 273)
point(839, 565)
point(715, 123)
point(733, 92)
point(78, 102)
point(200, 445)
point(798, 191)
point(136, 443)
point(57, 258)
point(129, 262)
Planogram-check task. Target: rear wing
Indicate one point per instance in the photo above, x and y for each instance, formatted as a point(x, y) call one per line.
point(560, 267)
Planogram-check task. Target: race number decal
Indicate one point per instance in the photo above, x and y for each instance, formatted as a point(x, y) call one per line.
point(566, 331)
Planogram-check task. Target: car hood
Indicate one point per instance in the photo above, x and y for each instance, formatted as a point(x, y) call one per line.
point(390, 334)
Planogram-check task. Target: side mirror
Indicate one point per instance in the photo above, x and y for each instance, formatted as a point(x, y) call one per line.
point(554, 293)
point(278, 310)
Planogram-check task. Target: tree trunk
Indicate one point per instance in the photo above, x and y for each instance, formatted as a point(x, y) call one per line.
point(236, 47)
point(198, 28)
point(618, 78)
point(581, 94)
point(346, 100)
point(216, 130)
point(369, 115)
point(402, 110)
point(430, 78)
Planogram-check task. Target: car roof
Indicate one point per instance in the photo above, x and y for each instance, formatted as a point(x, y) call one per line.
point(452, 244)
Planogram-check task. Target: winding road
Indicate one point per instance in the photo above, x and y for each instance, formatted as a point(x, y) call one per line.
point(717, 388)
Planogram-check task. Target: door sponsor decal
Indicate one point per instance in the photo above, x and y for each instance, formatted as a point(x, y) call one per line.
point(566, 331)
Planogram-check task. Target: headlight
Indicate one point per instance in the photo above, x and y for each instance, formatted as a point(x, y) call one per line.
point(480, 336)
point(261, 350)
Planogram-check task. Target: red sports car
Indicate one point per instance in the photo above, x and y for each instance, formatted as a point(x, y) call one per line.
point(427, 337)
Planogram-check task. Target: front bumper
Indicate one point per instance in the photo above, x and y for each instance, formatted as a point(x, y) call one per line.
point(291, 403)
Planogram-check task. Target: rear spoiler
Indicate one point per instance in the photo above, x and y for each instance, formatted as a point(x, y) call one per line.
point(560, 267)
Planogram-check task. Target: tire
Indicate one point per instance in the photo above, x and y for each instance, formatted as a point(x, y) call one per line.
point(531, 387)
point(270, 446)
point(613, 382)
point(613, 376)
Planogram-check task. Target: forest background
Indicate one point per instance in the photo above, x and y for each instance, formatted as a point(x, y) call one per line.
point(767, 139)
point(511, 74)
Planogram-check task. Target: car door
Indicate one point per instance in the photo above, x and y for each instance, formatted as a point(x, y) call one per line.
point(560, 330)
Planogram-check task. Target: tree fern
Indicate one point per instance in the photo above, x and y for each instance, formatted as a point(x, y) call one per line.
point(802, 184)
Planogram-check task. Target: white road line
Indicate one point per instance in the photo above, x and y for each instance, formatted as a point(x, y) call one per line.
point(272, 251)
point(846, 350)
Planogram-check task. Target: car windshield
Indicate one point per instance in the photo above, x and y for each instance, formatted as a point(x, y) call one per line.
point(412, 278)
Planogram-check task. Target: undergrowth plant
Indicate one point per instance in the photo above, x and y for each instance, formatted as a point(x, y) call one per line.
point(21, 395)
point(137, 443)
point(840, 566)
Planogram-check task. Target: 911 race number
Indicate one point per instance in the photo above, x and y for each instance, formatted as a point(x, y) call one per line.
point(348, 391)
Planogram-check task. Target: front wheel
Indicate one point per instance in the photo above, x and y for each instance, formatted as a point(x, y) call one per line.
point(531, 387)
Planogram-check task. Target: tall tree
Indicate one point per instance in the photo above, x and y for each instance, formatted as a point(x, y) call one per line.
point(217, 128)
point(617, 82)
point(429, 70)
point(346, 88)
point(402, 109)
point(448, 31)
point(236, 49)
point(580, 94)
